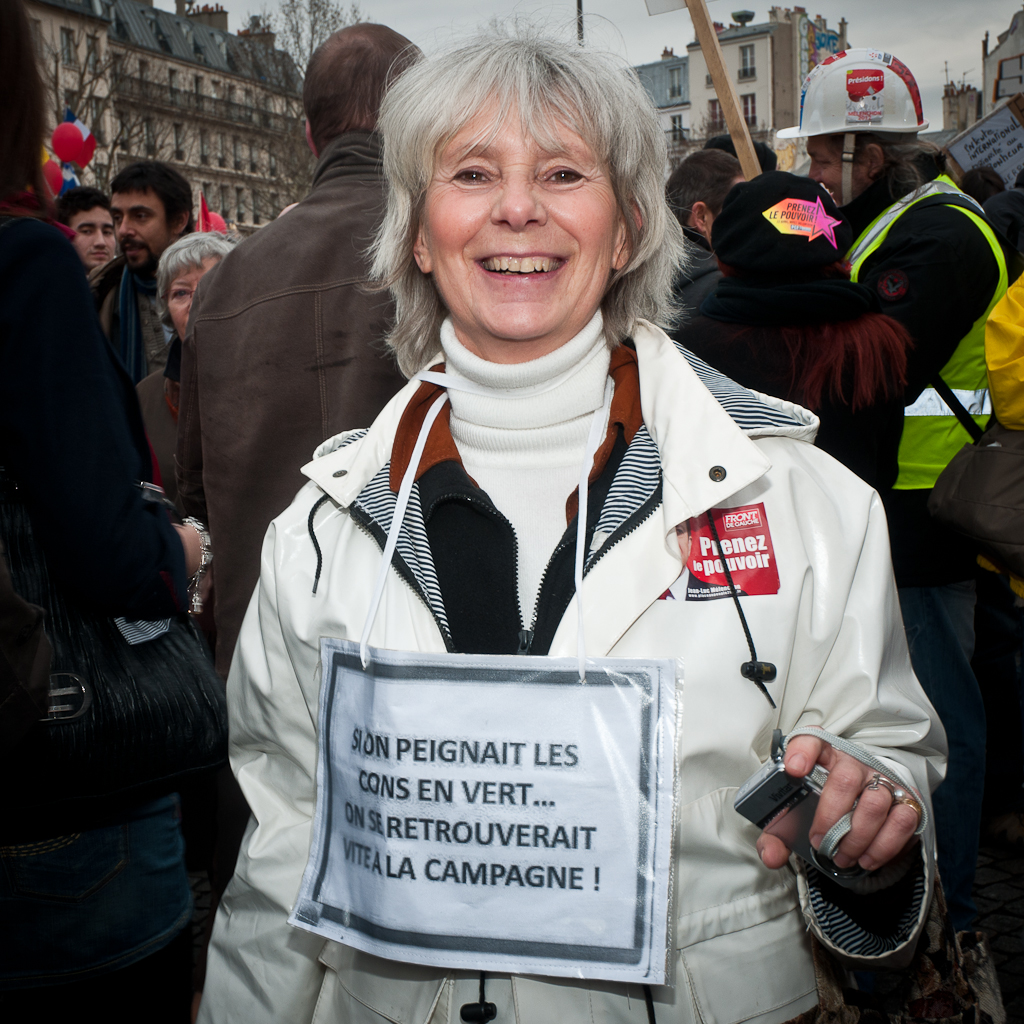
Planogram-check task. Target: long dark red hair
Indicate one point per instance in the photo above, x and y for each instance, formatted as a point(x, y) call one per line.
point(854, 362)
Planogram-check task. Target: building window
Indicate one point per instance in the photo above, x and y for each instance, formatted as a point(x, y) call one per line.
point(747, 68)
point(221, 155)
point(123, 133)
point(248, 104)
point(207, 192)
point(231, 94)
point(716, 123)
point(214, 88)
point(144, 70)
point(272, 161)
point(677, 128)
point(204, 147)
point(240, 205)
point(92, 54)
point(225, 211)
point(68, 50)
point(149, 136)
point(96, 120)
point(675, 82)
point(172, 81)
point(275, 209)
point(749, 101)
point(253, 164)
point(236, 146)
point(179, 142)
point(198, 85)
point(709, 81)
point(255, 207)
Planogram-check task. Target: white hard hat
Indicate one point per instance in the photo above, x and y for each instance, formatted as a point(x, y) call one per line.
point(859, 91)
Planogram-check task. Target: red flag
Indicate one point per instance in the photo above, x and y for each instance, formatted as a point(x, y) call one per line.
point(205, 224)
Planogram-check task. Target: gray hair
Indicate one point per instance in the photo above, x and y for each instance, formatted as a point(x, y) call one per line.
point(550, 86)
point(902, 153)
point(188, 253)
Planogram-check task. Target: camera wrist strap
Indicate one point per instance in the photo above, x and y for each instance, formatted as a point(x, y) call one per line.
point(835, 835)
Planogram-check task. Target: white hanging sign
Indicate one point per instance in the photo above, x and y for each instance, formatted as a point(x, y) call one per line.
point(495, 813)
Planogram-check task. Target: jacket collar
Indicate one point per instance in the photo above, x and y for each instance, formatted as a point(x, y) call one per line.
point(697, 418)
point(350, 155)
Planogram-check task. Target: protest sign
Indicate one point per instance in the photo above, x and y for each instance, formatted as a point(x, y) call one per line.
point(495, 813)
point(995, 141)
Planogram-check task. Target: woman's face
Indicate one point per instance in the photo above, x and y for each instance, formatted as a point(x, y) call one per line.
point(179, 294)
point(521, 243)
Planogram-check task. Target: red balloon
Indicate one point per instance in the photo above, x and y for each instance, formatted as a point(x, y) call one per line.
point(218, 223)
point(54, 177)
point(88, 149)
point(67, 142)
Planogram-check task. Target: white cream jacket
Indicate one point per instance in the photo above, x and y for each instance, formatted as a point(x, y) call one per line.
point(833, 630)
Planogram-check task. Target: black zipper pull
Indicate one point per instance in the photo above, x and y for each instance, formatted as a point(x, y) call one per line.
point(525, 641)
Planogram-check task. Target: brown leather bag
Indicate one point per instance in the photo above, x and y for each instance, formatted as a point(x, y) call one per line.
point(981, 492)
point(24, 662)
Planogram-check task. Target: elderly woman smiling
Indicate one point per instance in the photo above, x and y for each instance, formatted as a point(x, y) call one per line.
point(530, 253)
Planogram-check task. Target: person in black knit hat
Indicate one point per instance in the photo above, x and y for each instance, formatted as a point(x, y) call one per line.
point(787, 321)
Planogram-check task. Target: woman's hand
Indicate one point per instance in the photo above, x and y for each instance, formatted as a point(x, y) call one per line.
point(192, 548)
point(881, 828)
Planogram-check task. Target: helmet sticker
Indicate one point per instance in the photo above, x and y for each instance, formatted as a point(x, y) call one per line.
point(802, 217)
point(865, 95)
point(903, 71)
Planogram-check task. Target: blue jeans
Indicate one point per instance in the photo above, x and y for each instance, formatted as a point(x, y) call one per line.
point(92, 902)
point(940, 631)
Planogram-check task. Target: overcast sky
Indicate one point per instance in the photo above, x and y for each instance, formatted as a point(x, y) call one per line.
point(924, 34)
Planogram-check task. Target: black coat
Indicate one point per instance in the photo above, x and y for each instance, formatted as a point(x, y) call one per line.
point(1006, 212)
point(694, 284)
point(71, 434)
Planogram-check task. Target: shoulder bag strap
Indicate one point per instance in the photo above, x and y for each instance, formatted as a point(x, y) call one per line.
point(954, 403)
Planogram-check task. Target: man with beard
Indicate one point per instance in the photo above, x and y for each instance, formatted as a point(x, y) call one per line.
point(151, 204)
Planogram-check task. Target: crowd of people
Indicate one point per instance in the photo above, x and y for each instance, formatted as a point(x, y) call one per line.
point(495, 345)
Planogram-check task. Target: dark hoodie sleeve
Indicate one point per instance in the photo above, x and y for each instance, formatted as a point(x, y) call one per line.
point(71, 435)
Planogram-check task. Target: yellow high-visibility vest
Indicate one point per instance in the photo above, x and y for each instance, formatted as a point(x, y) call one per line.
point(932, 434)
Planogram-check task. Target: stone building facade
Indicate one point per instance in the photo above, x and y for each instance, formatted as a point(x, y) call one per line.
point(1003, 65)
point(224, 109)
point(767, 62)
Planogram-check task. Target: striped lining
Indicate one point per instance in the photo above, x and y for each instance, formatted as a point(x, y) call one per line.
point(141, 631)
point(635, 481)
point(853, 938)
point(378, 501)
point(745, 407)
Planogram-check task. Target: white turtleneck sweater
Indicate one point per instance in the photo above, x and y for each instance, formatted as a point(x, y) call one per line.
point(527, 452)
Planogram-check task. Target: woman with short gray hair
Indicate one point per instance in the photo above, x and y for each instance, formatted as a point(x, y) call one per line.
point(446, 822)
point(183, 264)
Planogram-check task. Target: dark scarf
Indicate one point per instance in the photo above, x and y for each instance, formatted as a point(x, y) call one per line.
point(133, 351)
point(768, 303)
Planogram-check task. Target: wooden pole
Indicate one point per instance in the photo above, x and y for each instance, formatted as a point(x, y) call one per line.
point(724, 89)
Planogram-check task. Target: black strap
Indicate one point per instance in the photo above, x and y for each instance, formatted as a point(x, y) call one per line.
point(954, 403)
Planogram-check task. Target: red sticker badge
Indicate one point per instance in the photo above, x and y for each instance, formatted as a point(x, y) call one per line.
point(865, 95)
point(747, 547)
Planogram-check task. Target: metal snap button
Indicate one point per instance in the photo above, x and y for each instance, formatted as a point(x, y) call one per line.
point(344, 472)
point(717, 473)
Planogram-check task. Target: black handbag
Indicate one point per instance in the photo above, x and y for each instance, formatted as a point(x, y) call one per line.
point(127, 722)
point(981, 492)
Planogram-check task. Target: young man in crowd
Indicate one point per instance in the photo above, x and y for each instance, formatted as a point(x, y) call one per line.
point(695, 192)
point(87, 212)
point(151, 205)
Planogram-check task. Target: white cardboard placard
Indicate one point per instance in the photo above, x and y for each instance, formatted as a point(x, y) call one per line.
point(494, 813)
point(995, 141)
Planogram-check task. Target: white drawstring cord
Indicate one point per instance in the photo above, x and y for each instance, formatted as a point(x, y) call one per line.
point(396, 523)
point(597, 431)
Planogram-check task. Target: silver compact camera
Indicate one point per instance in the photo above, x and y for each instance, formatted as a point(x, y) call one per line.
point(784, 806)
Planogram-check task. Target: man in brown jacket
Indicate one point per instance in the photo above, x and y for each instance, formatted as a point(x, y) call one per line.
point(285, 346)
